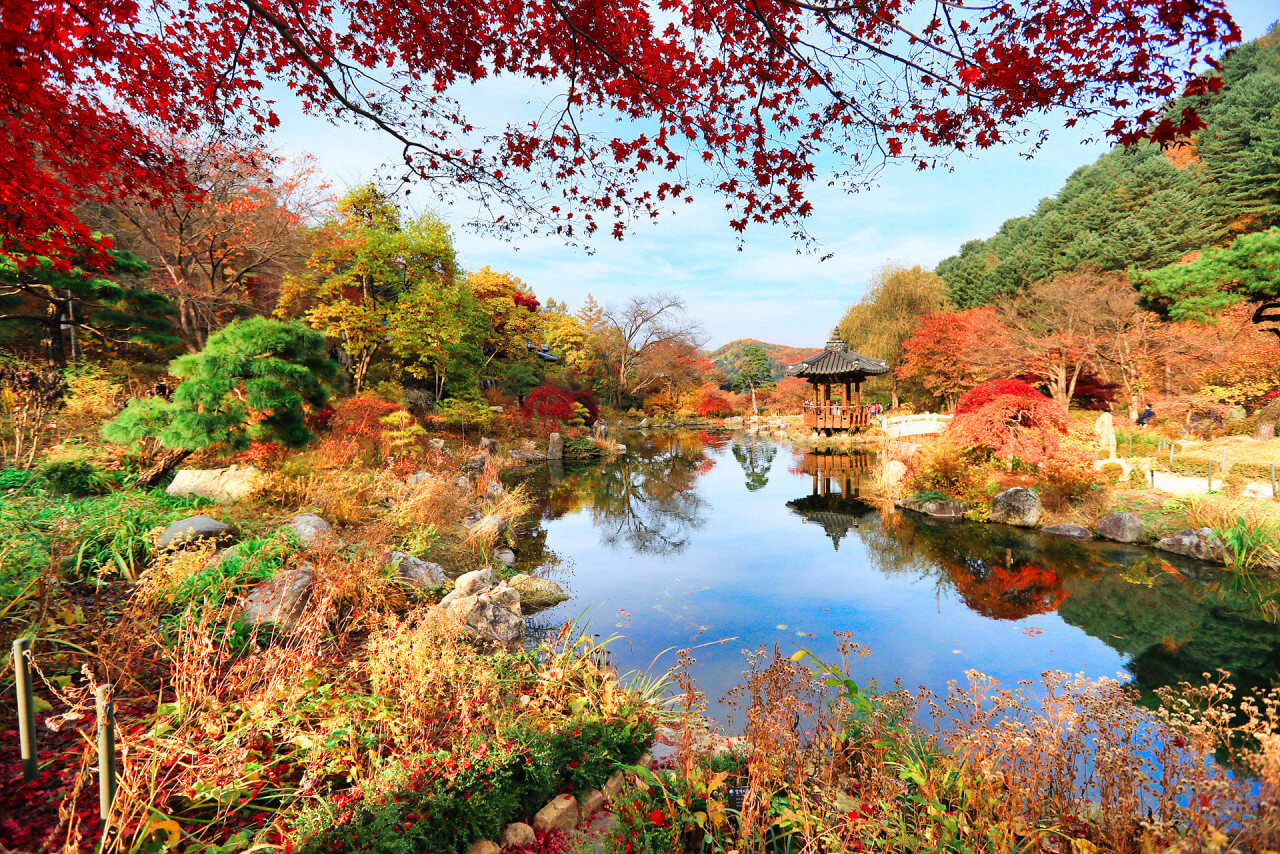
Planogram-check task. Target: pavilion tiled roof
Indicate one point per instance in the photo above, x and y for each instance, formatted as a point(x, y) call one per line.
point(838, 363)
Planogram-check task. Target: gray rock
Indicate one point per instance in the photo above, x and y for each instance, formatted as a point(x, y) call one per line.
point(613, 786)
point(1203, 544)
point(473, 516)
point(489, 447)
point(516, 834)
point(472, 583)
point(504, 556)
point(733, 422)
point(494, 490)
point(489, 526)
point(490, 616)
point(1121, 527)
point(280, 599)
point(537, 594)
point(555, 447)
point(601, 430)
point(418, 572)
point(936, 509)
point(309, 528)
point(1073, 532)
point(418, 478)
point(620, 448)
point(1017, 506)
point(193, 529)
point(463, 482)
point(561, 813)
point(436, 444)
point(644, 424)
point(474, 464)
point(228, 484)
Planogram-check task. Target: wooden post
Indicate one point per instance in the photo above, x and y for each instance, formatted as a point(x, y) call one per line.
point(1274, 497)
point(106, 754)
point(1210, 478)
point(1170, 456)
point(26, 707)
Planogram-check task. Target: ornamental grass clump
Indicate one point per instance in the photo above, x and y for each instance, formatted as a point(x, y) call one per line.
point(1067, 764)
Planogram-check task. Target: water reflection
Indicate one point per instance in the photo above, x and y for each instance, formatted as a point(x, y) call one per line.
point(672, 549)
point(833, 502)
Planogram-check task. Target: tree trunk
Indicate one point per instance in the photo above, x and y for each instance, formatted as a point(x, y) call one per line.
point(161, 469)
point(893, 390)
point(53, 335)
point(1267, 418)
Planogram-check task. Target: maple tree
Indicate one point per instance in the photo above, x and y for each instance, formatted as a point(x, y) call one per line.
point(223, 253)
point(941, 354)
point(1010, 419)
point(742, 97)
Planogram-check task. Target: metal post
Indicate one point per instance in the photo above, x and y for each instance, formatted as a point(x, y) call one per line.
point(1273, 482)
point(106, 753)
point(1170, 456)
point(26, 707)
point(1210, 489)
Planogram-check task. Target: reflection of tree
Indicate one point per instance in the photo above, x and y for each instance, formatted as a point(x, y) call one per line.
point(756, 458)
point(1150, 607)
point(645, 499)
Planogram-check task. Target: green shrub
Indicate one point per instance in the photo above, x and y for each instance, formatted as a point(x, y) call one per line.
point(14, 478)
point(77, 477)
point(581, 448)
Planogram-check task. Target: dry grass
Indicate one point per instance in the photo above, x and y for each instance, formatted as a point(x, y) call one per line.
point(1239, 449)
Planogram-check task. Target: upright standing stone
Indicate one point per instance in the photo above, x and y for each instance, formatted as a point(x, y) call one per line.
point(489, 447)
point(1104, 431)
point(555, 447)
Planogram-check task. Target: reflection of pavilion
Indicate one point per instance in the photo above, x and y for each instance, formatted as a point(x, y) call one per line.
point(834, 502)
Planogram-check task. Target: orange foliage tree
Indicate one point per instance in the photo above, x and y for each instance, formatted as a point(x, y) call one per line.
point(944, 353)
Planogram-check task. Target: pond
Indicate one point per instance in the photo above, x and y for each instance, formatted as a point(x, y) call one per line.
point(726, 542)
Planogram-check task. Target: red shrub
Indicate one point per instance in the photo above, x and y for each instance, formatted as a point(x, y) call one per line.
point(548, 403)
point(361, 417)
point(713, 405)
point(1025, 426)
point(1094, 392)
point(588, 400)
point(984, 393)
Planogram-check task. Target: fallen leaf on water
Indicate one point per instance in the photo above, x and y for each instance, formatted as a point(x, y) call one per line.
point(1032, 631)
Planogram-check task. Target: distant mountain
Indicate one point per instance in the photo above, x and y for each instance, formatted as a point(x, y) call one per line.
point(729, 358)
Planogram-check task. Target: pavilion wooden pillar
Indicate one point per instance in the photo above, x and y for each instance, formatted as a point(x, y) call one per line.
point(848, 397)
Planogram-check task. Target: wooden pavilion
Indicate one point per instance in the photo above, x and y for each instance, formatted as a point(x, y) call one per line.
point(837, 366)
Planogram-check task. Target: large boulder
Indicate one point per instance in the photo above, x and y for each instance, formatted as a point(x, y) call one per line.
point(436, 444)
point(228, 484)
point(555, 447)
point(1203, 544)
point(601, 430)
point(1071, 532)
point(279, 600)
point(492, 616)
point(191, 530)
point(490, 525)
point(474, 464)
point(309, 528)
point(1017, 506)
point(418, 572)
point(537, 594)
point(471, 583)
point(644, 424)
point(489, 447)
point(493, 491)
point(504, 556)
point(1121, 527)
point(733, 422)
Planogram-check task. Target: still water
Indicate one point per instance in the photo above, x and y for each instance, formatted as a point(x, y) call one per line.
point(726, 543)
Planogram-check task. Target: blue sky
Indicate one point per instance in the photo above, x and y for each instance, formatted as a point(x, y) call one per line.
point(767, 290)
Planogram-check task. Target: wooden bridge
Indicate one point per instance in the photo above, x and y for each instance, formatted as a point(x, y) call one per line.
point(913, 425)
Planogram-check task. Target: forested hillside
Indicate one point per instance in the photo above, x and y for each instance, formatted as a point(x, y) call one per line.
point(1144, 208)
point(729, 357)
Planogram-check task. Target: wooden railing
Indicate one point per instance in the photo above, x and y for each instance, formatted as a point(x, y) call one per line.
point(835, 417)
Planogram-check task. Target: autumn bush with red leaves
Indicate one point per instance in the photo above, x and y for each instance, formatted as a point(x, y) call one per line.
point(1010, 420)
point(712, 405)
point(548, 403)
